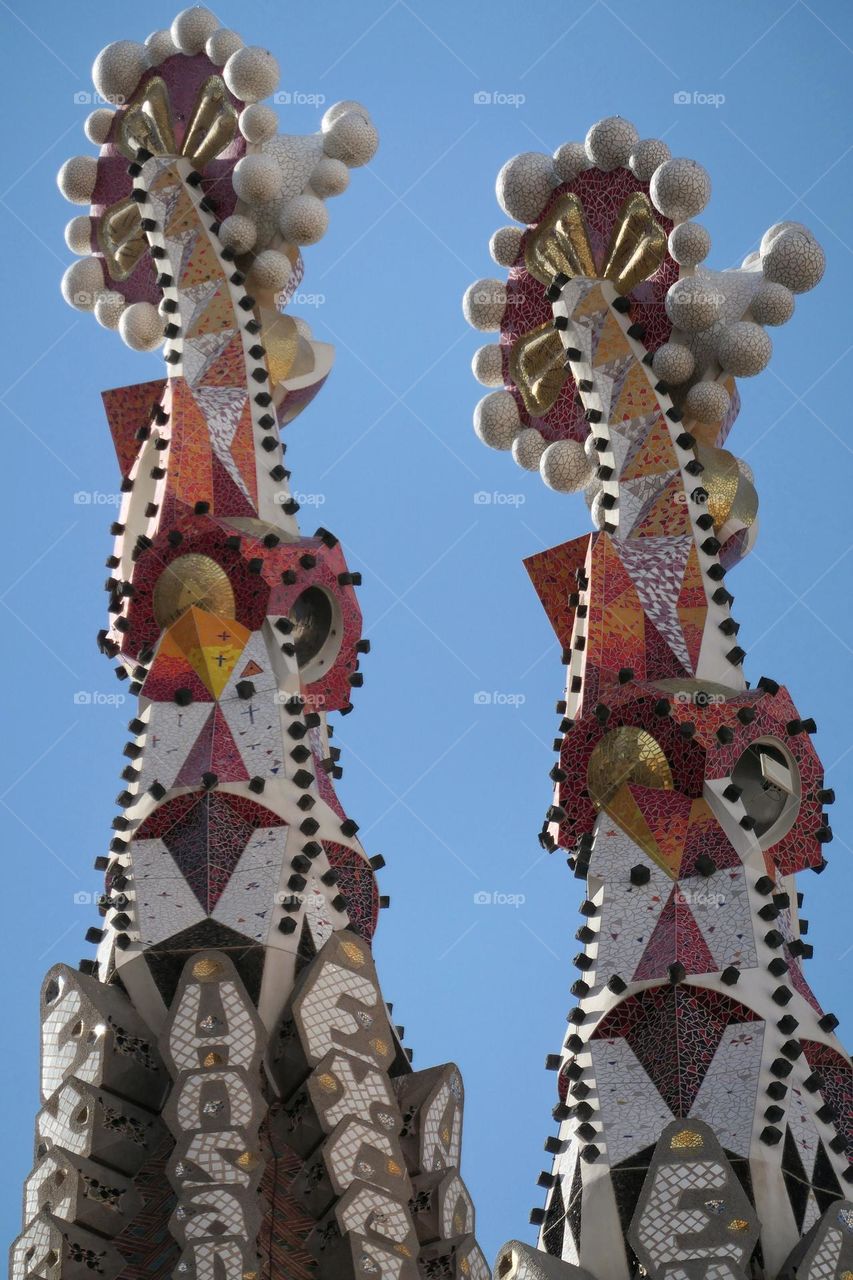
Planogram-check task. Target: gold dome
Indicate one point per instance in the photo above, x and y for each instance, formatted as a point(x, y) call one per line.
point(192, 580)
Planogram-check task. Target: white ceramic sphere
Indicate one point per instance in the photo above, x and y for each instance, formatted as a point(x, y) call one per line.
point(270, 271)
point(303, 220)
point(680, 189)
point(647, 156)
point(329, 178)
point(251, 73)
point(777, 229)
point(524, 185)
point(689, 244)
point(238, 232)
point(592, 454)
point(78, 234)
point(744, 349)
point(793, 257)
point(592, 491)
point(487, 365)
point(527, 448)
point(673, 363)
point(565, 467)
point(160, 46)
point(118, 69)
point(83, 283)
point(505, 245)
point(257, 179)
point(352, 139)
point(707, 402)
point(221, 44)
point(192, 28)
point(496, 420)
point(77, 177)
point(141, 326)
point(569, 160)
point(598, 513)
point(693, 304)
point(109, 308)
point(98, 125)
point(772, 304)
point(610, 142)
point(338, 109)
point(483, 304)
point(258, 123)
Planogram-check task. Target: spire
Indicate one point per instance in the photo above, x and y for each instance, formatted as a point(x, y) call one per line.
point(224, 1091)
point(685, 799)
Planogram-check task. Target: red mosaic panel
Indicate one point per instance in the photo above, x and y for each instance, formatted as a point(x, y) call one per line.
point(357, 883)
point(674, 1032)
point(837, 1088)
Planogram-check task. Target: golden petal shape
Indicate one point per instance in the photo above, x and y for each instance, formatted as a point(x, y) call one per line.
point(213, 123)
point(745, 506)
point(281, 342)
point(560, 243)
point(637, 244)
point(147, 122)
point(625, 755)
point(720, 478)
point(121, 238)
point(537, 367)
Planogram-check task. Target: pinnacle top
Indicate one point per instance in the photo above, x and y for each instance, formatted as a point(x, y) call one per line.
point(196, 91)
point(620, 210)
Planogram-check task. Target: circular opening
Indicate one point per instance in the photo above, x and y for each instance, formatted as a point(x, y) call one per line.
point(770, 789)
point(316, 631)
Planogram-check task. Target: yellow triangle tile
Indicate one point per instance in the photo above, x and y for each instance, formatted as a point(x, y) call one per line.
point(212, 645)
point(612, 343)
point(636, 397)
point(656, 454)
point(216, 316)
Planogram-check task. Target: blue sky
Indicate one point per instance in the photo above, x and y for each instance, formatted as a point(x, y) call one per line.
point(450, 789)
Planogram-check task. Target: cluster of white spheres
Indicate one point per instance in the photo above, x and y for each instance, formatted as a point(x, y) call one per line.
point(717, 318)
point(281, 188)
point(791, 256)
